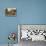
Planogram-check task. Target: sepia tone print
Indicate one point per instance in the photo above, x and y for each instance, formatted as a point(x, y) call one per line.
point(10, 11)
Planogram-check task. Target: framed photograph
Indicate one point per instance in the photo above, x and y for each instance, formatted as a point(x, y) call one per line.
point(10, 11)
point(32, 32)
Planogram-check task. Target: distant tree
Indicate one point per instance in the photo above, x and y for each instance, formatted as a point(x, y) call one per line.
point(6, 11)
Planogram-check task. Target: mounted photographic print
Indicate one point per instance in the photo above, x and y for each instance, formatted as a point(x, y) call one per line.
point(10, 11)
point(32, 32)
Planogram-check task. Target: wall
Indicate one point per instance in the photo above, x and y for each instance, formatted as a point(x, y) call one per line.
point(28, 12)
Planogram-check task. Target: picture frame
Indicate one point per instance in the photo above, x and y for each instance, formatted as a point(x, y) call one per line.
point(37, 29)
point(10, 11)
